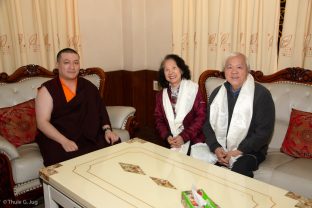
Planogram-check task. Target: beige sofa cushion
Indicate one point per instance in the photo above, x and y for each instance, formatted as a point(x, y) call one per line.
point(15, 93)
point(26, 89)
point(274, 159)
point(295, 175)
point(287, 95)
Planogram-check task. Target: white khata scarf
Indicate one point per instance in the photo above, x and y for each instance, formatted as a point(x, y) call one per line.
point(241, 118)
point(186, 97)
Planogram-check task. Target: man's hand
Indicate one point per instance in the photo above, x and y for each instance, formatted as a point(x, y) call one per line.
point(232, 153)
point(111, 137)
point(69, 145)
point(221, 155)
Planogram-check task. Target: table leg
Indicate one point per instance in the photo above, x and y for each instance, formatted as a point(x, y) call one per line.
point(48, 201)
point(53, 198)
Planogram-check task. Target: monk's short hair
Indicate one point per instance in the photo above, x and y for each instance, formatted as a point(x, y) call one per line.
point(65, 50)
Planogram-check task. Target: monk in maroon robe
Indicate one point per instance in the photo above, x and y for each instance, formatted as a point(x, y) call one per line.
point(71, 115)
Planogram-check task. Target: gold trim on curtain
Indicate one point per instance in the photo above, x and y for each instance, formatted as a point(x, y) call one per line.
point(205, 31)
point(33, 31)
point(296, 41)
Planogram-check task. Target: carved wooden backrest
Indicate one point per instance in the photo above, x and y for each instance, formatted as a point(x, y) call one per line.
point(293, 74)
point(23, 83)
point(38, 71)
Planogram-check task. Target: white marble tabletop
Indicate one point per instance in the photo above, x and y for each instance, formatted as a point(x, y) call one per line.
point(141, 174)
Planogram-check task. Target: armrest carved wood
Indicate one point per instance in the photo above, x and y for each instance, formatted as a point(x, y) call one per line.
point(132, 126)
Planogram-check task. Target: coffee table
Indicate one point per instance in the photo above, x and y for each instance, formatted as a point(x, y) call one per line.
point(141, 174)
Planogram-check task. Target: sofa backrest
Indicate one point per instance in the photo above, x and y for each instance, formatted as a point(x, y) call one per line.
point(22, 85)
point(290, 88)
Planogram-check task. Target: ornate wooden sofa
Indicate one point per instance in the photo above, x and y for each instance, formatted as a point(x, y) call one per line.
point(290, 88)
point(19, 175)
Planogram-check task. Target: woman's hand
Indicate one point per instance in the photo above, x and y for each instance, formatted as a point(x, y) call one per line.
point(175, 142)
point(170, 140)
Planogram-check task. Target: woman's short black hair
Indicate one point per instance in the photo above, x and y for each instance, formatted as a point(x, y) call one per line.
point(186, 74)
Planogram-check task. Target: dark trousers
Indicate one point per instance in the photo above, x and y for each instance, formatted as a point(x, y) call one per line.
point(247, 163)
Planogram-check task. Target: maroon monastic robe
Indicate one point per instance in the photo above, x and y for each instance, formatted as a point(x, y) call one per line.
point(80, 120)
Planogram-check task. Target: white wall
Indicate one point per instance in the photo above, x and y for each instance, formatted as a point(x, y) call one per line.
point(125, 34)
point(134, 34)
point(158, 31)
point(101, 33)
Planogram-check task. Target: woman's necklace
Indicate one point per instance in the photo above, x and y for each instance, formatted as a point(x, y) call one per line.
point(175, 91)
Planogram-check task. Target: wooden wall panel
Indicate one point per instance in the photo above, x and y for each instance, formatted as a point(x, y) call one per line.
point(150, 93)
point(113, 92)
point(139, 95)
point(133, 88)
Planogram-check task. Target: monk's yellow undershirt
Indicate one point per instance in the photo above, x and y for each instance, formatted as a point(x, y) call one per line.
point(68, 93)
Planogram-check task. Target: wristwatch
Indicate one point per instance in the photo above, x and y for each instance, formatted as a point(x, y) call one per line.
point(107, 128)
